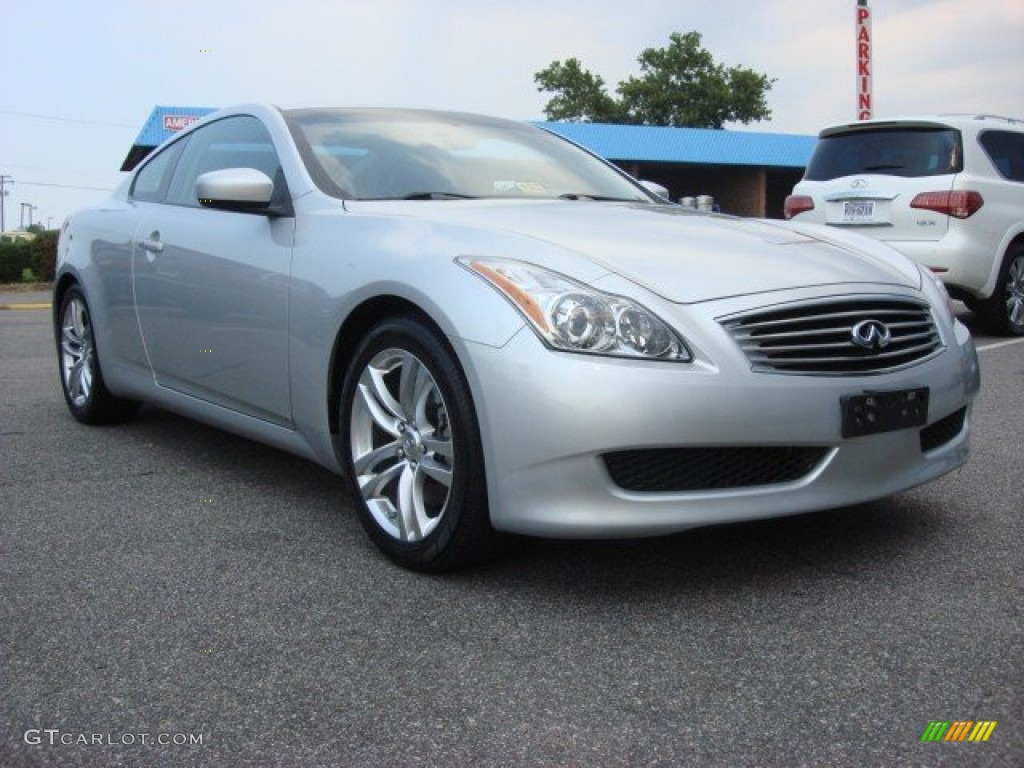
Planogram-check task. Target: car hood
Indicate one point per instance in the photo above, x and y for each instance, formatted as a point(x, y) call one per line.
point(684, 256)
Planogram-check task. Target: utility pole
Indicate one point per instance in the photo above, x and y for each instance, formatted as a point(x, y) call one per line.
point(3, 193)
point(30, 209)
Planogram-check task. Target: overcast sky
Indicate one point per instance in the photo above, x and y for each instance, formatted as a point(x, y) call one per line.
point(78, 79)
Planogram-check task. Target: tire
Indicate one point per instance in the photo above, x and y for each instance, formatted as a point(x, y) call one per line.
point(81, 377)
point(411, 450)
point(1004, 311)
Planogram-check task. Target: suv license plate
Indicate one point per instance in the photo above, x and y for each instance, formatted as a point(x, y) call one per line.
point(855, 211)
point(874, 412)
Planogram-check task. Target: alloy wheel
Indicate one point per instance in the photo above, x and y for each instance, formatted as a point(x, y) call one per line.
point(401, 445)
point(1015, 293)
point(77, 352)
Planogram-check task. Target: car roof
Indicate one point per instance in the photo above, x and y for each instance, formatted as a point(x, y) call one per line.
point(962, 121)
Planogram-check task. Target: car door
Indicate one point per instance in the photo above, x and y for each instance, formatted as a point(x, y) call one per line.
point(211, 286)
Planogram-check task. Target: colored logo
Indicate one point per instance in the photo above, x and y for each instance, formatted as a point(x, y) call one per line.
point(178, 122)
point(958, 730)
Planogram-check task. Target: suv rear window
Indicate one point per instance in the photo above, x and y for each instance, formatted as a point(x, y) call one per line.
point(910, 152)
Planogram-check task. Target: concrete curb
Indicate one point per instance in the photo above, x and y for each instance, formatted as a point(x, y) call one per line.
point(26, 306)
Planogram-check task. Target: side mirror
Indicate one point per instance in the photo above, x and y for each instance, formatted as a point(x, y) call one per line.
point(657, 189)
point(235, 189)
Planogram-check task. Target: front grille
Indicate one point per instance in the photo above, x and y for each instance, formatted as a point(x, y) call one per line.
point(817, 337)
point(943, 431)
point(703, 469)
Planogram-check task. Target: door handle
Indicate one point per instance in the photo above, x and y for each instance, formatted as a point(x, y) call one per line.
point(152, 243)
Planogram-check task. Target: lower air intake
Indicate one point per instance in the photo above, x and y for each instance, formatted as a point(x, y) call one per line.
point(667, 470)
point(943, 431)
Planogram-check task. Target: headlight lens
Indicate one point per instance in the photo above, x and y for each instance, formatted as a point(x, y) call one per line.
point(574, 317)
point(945, 300)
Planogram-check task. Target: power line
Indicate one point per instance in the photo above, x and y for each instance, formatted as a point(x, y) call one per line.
point(64, 119)
point(61, 169)
point(65, 186)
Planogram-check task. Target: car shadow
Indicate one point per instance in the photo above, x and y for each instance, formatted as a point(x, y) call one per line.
point(851, 542)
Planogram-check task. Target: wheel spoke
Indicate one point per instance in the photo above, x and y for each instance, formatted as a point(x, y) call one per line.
point(438, 446)
point(415, 387)
point(86, 377)
point(372, 485)
point(410, 505)
point(378, 401)
point(70, 346)
point(75, 380)
point(370, 459)
point(436, 471)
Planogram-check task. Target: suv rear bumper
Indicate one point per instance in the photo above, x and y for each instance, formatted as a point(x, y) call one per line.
point(966, 267)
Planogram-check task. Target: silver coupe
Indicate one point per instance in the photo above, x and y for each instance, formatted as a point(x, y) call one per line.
point(486, 331)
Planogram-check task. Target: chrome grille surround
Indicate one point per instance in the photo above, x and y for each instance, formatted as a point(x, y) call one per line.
point(816, 337)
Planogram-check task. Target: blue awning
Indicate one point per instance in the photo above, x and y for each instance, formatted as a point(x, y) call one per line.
point(694, 146)
point(163, 123)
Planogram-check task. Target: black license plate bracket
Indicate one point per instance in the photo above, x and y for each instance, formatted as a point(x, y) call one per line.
point(872, 413)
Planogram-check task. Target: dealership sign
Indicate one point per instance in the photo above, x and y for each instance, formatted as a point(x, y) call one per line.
point(178, 122)
point(863, 61)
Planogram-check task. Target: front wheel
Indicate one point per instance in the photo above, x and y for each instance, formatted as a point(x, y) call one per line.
point(411, 450)
point(1004, 311)
point(81, 377)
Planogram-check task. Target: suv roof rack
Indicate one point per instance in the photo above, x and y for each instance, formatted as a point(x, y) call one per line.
point(983, 116)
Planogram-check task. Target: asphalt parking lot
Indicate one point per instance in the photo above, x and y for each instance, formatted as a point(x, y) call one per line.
point(175, 595)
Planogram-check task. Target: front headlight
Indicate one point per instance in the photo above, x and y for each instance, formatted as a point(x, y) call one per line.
point(944, 301)
point(571, 316)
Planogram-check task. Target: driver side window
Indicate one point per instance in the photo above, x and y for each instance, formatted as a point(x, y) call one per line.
point(234, 142)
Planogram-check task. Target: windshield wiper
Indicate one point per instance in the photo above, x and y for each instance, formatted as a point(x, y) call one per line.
point(598, 198)
point(437, 196)
point(884, 167)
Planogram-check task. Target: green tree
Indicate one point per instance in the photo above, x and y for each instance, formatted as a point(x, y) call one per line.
point(42, 254)
point(580, 96)
point(680, 85)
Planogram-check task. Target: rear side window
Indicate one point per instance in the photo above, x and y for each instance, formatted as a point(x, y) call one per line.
point(909, 152)
point(1006, 151)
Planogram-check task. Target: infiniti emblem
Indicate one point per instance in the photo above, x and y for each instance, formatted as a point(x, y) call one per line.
point(871, 334)
point(859, 183)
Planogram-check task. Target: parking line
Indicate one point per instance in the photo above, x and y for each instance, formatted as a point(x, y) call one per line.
point(26, 306)
point(999, 344)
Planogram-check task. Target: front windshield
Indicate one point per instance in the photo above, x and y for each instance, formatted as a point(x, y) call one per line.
point(379, 154)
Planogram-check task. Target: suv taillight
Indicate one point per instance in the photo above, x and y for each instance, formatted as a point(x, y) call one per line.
point(960, 204)
point(796, 204)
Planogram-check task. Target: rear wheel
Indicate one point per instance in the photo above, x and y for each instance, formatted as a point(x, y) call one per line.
point(81, 377)
point(411, 449)
point(1004, 311)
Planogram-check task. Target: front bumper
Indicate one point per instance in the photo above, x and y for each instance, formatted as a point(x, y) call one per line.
point(548, 418)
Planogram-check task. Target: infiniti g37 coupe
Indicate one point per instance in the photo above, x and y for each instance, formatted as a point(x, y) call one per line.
point(487, 330)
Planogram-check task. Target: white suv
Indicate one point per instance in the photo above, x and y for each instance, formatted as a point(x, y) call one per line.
point(947, 191)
